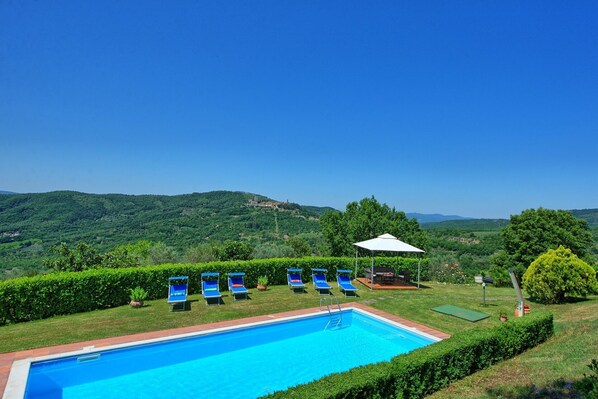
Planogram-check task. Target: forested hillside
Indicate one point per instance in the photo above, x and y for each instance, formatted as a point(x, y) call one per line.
point(589, 215)
point(471, 243)
point(468, 243)
point(468, 225)
point(31, 224)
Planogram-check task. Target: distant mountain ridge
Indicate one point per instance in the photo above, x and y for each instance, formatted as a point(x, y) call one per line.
point(589, 215)
point(434, 217)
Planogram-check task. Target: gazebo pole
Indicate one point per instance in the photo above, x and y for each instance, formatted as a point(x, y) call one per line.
point(356, 250)
point(372, 275)
point(419, 261)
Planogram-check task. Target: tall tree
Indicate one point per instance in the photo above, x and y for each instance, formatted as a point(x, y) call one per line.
point(300, 246)
point(368, 219)
point(234, 250)
point(82, 257)
point(334, 231)
point(532, 233)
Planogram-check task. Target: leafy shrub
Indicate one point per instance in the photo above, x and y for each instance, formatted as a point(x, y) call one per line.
point(447, 273)
point(161, 253)
point(233, 250)
point(40, 297)
point(532, 233)
point(589, 383)
point(262, 280)
point(138, 294)
point(499, 269)
point(120, 257)
point(270, 250)
point(85, 256)
point(426, 370)
point(559, 273)
point(199, 253)
point(300, 247)
point(82, 257)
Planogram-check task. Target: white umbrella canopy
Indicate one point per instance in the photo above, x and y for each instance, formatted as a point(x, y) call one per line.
point(386, 243)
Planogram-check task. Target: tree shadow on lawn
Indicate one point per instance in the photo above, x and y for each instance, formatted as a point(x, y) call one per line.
point(559, 389)
point(421, 286)
point(568, 300)
point(186, 306)
point(576, 299)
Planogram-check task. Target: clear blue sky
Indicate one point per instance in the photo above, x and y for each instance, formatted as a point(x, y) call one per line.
point(476, 108)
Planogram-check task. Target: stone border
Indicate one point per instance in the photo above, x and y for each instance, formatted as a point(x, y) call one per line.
point(14, 366)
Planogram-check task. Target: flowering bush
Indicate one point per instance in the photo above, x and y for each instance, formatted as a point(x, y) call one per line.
point(558, 274)
point(447, 273)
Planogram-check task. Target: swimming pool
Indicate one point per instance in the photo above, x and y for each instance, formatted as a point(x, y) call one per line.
point(245, 362)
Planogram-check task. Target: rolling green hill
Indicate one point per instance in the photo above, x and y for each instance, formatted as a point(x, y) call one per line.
point(589, 215)
point(30, 224)
point(471, 242)
point(468, 225)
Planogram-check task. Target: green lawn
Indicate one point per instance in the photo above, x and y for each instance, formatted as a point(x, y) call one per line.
point(564, 356)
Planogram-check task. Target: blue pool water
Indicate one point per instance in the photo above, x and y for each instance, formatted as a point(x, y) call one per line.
point(242, 363)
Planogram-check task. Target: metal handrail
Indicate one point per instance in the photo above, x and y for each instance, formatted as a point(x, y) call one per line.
point(338, 305)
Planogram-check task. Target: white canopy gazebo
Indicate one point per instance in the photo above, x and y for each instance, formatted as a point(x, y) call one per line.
point(386, 243)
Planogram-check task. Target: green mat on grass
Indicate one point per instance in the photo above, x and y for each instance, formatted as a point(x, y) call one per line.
point(461, 313)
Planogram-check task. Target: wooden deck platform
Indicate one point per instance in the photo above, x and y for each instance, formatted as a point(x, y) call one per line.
point(395, 285)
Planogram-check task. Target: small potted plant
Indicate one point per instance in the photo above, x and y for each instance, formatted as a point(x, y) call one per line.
point(502, 317)
point(138, 295)
point(262, 283)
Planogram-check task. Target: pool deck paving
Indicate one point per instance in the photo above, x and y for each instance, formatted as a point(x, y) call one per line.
point(7, 359)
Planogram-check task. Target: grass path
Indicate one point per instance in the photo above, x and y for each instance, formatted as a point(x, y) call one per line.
point(564, 356)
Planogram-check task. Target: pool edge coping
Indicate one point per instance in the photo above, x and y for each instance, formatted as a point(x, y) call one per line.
point(16, 380)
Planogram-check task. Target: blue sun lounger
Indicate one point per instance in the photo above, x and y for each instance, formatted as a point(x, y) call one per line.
point(343, 278)
point(294, 280)
point(177, 292)
point(236, 285)
point(209, 287)
point(319, 279)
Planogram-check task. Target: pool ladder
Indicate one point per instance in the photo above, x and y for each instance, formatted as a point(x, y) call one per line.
point(335, 319)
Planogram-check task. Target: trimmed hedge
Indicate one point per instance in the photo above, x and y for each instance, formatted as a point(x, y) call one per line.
point(40, 297)
point(429, 369)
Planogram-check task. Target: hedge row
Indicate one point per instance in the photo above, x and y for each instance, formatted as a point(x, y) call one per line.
point(40, 297)
point(429, 369)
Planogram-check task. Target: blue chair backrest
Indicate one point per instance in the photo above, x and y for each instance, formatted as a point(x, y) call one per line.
point(319, 277)
point(343, 279)
point(294, 277)
point(236, 281)
point(178, 289)
point(210, 285)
